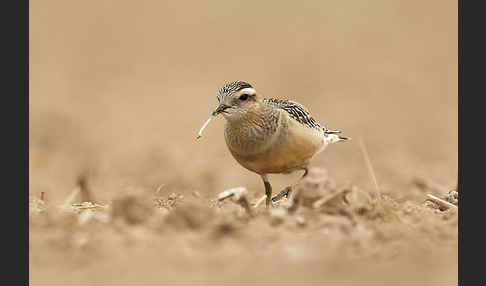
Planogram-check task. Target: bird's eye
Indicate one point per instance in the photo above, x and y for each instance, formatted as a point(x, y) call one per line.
point(243, 97)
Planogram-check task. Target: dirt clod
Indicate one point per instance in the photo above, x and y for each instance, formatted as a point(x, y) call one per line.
point(132, 209)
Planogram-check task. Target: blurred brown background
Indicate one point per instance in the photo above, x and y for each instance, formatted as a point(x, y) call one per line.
point(119, 89)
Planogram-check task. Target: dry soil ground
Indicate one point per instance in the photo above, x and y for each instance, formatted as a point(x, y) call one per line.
point(119, 90)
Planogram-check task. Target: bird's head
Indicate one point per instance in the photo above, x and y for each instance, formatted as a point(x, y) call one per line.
point(236, 99)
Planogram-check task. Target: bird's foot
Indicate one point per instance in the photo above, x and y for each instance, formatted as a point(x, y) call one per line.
point(284, 193)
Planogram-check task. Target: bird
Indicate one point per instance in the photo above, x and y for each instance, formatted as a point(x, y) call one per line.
point(270, 135)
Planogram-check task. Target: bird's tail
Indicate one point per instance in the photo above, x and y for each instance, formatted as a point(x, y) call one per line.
point(332, 131)
point(333, 137)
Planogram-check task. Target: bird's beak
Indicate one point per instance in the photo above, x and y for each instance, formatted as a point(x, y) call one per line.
point(221, 108)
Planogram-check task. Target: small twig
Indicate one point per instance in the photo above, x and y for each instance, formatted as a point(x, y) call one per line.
point(199, 134)
point(371, 172)
point(440, 202)
point(236, 192)
point(88, 205)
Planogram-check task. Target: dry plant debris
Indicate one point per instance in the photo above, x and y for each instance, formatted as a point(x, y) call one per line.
point(199, 134)
point(171, 202)
point(349, 221)
point(239, 196)
point(452, 197)
point(442, 203)
point(447, 199)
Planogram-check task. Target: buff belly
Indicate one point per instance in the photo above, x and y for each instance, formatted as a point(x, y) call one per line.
point(290, 153)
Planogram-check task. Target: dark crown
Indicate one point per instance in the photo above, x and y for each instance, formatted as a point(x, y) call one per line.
point(234, 87)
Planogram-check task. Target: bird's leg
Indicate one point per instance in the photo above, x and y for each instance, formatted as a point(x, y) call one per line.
point(268, 190)
point(288, 190)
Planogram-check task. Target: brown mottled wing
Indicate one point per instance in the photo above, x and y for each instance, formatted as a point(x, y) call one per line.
point(296, 110)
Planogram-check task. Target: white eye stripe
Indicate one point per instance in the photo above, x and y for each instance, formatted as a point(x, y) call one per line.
point(248, 90)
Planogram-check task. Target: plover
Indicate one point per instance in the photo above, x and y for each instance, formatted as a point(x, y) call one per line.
point(269, 135)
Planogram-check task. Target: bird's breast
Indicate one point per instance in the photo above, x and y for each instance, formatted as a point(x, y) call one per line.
point(288, 148)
